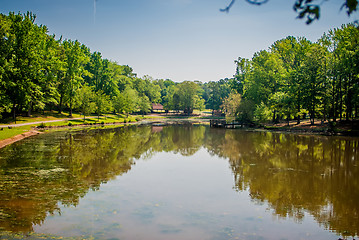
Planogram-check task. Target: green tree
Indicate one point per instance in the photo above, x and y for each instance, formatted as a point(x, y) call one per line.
point(189, 97)
point(242, 68)
point(145, 87)
point(231, 106)
point(165, 87)
point(102, 75)
point(262, 113)
point(218, 91)
point(102, 102)
point(171, 99)
point(314, 82)
point(292, 51)
point(144, 105)
point(127, 101)
point(53, 70)
point(6, 41)
point(346, 54)
point(22, 52)
point(77, 56)
point(85, 97)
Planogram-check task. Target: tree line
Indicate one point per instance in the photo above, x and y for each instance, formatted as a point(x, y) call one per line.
point(293, 79)
point(39, 72)
point(297, 78)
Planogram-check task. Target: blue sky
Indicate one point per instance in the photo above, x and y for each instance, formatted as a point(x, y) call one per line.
point(177, 39)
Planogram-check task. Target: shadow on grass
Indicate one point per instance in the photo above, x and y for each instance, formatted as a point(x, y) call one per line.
point(78, 121)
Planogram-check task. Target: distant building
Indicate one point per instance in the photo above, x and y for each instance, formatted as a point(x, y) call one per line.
point(156, 107)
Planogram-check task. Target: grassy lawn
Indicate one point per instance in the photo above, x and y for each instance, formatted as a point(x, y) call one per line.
point(39, 117)
point(108, 119)
point(8, 133)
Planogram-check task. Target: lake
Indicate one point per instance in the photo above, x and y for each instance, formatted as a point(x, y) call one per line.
point(179, 181)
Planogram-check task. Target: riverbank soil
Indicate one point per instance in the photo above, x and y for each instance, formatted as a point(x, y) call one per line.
point(343, 127)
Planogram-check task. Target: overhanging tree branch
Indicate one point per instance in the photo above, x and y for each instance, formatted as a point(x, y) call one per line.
point(228, 7)
point(309, 9)
point(254, 2)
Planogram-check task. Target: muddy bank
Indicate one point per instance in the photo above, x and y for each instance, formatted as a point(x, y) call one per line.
point(340, 128)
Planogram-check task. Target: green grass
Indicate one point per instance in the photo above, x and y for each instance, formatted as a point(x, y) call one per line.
point(39, 117)
point(209, 117)
point(92, 121)
point(153, 117)
point(8, 133)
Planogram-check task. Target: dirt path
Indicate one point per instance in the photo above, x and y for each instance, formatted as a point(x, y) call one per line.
point(19, 137)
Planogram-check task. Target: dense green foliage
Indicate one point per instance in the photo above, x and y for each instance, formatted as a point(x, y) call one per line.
point(38, 72)
point(294, 78)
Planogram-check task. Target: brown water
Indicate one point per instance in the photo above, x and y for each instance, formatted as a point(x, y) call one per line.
point(179, 182)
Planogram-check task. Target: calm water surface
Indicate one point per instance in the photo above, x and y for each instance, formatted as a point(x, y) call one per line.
point(179, 182)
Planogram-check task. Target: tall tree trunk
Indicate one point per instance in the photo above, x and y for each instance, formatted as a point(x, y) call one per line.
point(60, 104)
point(29, 109)
point(340, 99)
point(334, 102)
point(14, 111)
point(349, 107)
point(70, 108)
point(288, 117)
point(298, 113)
point(274, 115)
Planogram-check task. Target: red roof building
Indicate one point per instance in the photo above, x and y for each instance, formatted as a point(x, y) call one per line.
point(157, 107)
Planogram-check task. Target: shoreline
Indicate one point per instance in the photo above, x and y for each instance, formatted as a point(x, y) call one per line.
point(16, 138)
point(279, 129)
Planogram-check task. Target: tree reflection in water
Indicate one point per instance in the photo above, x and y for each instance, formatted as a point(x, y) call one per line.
point(296, 174)
point(293, 174)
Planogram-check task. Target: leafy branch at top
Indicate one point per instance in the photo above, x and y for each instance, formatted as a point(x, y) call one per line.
point(254, 2)
point(309, 9)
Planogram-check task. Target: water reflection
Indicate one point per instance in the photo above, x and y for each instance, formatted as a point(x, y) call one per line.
point(297, 174)
point(292, 174)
